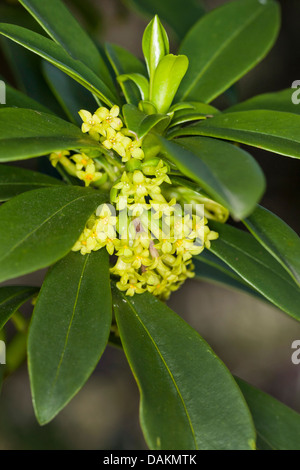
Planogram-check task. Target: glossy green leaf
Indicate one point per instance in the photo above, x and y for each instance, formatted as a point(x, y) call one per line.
point(140, 123)
point(269, 130)
point(197, 111)
point(211, 269)
point(155, 46)
point(158, 122)
point(26, 133)
point(11, 298)
point(167, 78)
point(70, 94)
point(133, 117)
point(257, 267)
point(140, 81)
point(237, 184)
point(55, 54)
point(225, 44)
point(15, 98)
point(39, 227)
point(69, 330)
point(277, 238)
point(276, 424)
point(188, 398)
point(180, 15)
point(61, 26)
point(123, 62)
point(14, 181)
point(278, 101)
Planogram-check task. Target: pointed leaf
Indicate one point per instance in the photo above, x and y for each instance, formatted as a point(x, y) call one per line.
point(14, 181)
point(276, 424)
point(257, 267)
point(11, 298)
point(61, 26)
point(269, 130)
point(188, 398)
point(26, 133)
point(277, 238)
point(237, 185)
point(221, 46)
point(55, 54)
point(155, 45)
point(69, 330)
point(39, 227)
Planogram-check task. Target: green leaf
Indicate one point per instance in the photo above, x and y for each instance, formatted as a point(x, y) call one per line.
point(70, 94)
point(15, 98)
point(269, 130)
point(277, 238)
point(257, 267)
point(69, 330)
point(198, 111)
point(237, 184)
point(155, 46)
point(276, 424)
point(225, 44)
point(61, 26)
point(26, 133)
point(154, 121)
point(211, 269)
point(39, 227)
point(140, 123)
point(278, 101)
point(14, 181)
point(178, 14)
point(123, 62)
point(167, 78)
point(55, 54)
point(132, 117)
point(141, 82)
point(188, 398)
point(11, 298)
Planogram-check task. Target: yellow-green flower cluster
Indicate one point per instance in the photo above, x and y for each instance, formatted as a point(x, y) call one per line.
point(152, 240)
point(105, 126)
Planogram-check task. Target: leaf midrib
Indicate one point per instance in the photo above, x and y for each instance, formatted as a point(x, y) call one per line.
point(39, 227)
point(69, 327)
point(167, 369)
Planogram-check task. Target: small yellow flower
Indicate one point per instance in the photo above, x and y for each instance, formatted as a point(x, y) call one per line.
point(116, 141)
point(133, 150)
point(91, 124)
point(90, 175)
point(81, 160)
point(56, 157)
point(109, 118)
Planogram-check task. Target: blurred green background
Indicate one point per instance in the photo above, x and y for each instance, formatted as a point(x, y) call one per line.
point(253, 338)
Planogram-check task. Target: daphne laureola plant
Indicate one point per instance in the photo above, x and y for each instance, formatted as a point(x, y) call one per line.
point(144, 179)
